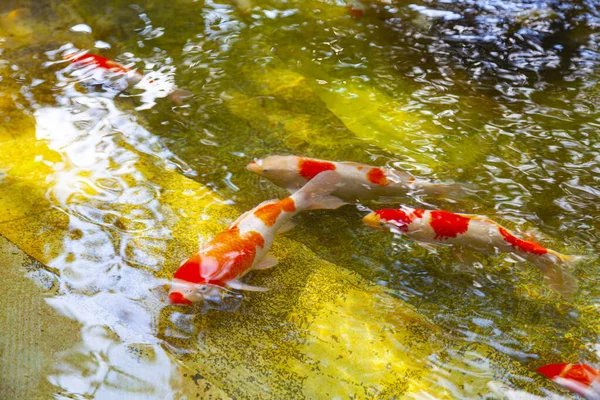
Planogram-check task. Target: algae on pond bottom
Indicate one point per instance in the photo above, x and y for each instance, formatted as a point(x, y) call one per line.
point(298, 340)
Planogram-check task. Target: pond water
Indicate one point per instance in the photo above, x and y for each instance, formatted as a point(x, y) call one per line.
point(110, 188)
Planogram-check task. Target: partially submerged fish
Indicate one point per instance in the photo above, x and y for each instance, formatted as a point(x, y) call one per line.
point(579, 378)
point(245, 244)
point(357, 182)
point(132, 76)
point(477, 233)
point(356, 8)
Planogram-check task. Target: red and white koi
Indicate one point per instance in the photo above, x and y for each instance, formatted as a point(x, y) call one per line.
point(132, 76)
point(579, 378)
point(245, 244)
point(357, 182)
point(477, 233)
point(356, 8)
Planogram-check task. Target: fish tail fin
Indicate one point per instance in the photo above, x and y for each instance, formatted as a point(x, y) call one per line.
point(316, 194)
point(456, 191)
point(570, 260)
point(557, 273)
point(177, 96)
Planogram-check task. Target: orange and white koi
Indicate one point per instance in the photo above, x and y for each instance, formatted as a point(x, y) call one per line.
point(358, 181)
point(477, 233)
point(132, 76)
point(579, 378)
point(245, 244)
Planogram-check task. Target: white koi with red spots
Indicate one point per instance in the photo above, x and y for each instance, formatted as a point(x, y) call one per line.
point(131, 76)
point(477, 233)
point(579, 378)
point(357, 181)
point(245, 244)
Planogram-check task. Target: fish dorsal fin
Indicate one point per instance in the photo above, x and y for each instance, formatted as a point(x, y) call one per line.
point(243, 286)
point(237, 221)
point(268, 261)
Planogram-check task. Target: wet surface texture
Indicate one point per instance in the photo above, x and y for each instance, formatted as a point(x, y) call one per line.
point(106, 188)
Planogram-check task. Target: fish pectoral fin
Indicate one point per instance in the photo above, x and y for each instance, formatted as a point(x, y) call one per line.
point(427, 246)
point(241, 217)
point(466, 256)
point(243, 286)
point(287, 226)
point(560, 280)
point(268, 261)
point(328, 203)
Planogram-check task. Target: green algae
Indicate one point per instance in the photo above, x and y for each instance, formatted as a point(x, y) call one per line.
point(303, 332)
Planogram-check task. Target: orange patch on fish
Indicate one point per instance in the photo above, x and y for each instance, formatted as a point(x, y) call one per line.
point(178, 298)
point(288, 204)
point(377, 176)
point(100, 62)
point(270, 212)
point(523, 245)
point(356, 12)
point(446, 224)
point(311, 168)
point(401, 218)
point(581, 373)
point(233, 252)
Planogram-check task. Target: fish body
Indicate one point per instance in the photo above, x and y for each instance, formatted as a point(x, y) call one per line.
point(579, 378)
point(132, 76)
point(245, 244)
point(356, 8)
point(357, 181)
point(477, 233)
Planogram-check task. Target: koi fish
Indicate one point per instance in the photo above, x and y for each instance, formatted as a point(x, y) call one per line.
point(132, 76)
point(358, 181)
point(477, 233)
point(356, 8)
point(245, 244)
point(579, 378)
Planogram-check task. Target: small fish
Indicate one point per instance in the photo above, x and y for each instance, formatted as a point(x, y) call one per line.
point(579, 378)
point(245, 244)
point(477, 233)
point(132, 76)
point(356, 8)
point(358, 181)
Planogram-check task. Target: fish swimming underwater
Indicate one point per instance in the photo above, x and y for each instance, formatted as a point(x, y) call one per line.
point(579, 378)
point(132, 76)
point(477, 233)
point(245, 244)
point(357, 182)
point(356, 8)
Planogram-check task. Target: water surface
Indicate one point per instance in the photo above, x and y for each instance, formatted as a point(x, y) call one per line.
point(112, 189)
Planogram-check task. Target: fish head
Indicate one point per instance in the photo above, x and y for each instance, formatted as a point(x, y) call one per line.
point(373, 220)
point(186, 293)
point(281, 170)
point(191, 284)
point(388, 219)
